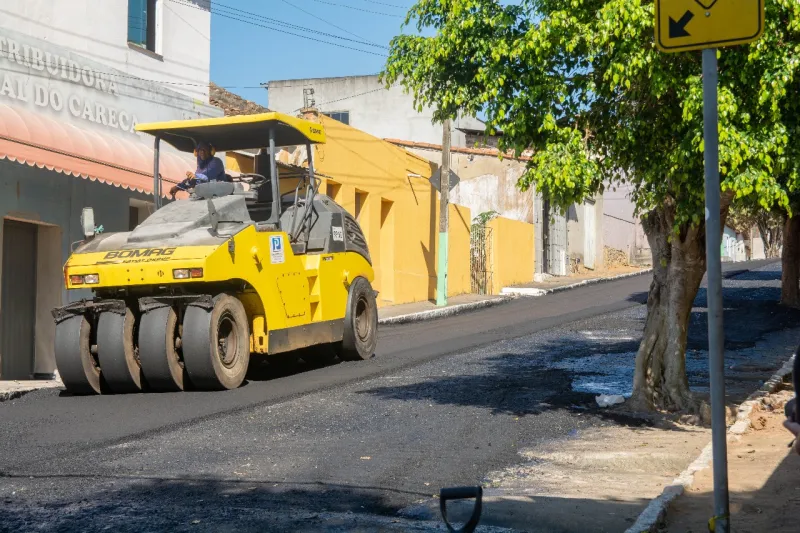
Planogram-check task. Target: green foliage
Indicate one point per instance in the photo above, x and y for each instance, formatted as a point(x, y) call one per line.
point(581, 83)
point(483, 218)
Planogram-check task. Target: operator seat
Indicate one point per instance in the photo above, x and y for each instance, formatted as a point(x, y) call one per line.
point(260, 208)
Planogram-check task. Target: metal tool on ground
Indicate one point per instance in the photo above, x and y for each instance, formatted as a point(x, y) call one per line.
point(462, 493)
point(257, 265)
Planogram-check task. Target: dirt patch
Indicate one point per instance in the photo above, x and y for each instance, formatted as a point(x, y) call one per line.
point(615, 258)
point(763, 479)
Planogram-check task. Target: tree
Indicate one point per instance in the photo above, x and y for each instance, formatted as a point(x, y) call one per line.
point(581, 83)
point(743, 218)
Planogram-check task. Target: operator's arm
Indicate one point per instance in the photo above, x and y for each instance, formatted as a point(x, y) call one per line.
point(186, 184)
point(214, 171)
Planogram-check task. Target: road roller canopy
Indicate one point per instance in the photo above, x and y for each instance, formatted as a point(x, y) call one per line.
point(243, 132)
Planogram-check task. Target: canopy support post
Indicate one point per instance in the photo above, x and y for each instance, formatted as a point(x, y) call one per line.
point(311, 181)
point(311, 193)
point(275, 216)
point(156, 180)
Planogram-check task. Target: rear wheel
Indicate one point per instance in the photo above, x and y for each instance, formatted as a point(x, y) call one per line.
point(117, 353)
point(216, 344)
point(78, 368)
point(159, 352)
point(360, 336)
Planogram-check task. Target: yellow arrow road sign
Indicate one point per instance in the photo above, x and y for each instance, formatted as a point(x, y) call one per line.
point(683, 25)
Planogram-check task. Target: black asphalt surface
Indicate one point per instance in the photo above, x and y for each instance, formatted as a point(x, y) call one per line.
point(443, 403)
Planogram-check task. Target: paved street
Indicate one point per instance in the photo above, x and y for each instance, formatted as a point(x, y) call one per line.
point(444, 403)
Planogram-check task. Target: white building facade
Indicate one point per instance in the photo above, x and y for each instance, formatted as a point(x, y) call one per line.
point(75, 79)
point(363, 102)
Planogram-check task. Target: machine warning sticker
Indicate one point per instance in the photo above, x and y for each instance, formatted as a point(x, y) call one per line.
point(338, 234)
point(276, 250)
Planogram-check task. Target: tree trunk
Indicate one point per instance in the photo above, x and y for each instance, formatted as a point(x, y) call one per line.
point(679, 264)
point(771, 236)
point(790, 262)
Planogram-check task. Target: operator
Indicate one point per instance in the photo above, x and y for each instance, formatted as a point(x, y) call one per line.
point(209, 168)
point(791, 411)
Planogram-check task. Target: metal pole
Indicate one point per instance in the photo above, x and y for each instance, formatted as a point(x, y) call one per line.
point(156, 180)
point(311, 180)
point(444, 202)
point(275, 216)
point(720, 523)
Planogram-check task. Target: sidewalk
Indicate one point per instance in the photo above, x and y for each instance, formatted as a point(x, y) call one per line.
point(550, 284)
point(412, 312)
point(426, 310)
point(762, 478)
point(10, 390)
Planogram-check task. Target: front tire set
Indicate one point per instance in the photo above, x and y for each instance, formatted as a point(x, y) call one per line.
point(360, 335)
point(210, 350)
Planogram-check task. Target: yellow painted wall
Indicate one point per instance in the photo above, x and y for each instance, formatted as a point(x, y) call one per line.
point(238, 162)
point(387, 189)
point(244, 164)
point(512, 253)
point(458, 271)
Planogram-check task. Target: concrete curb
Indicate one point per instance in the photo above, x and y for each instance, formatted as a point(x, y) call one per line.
point(443, 312)
point(655, 513)
point(534, 292)
point(20, 388)
point(506, 295)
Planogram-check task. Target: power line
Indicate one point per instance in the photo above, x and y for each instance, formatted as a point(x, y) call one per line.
point(202, 34)
point(239, 12)
point(270, 24)
point(158, 82)
point(359, 9)
point(348, 97)
point(311, 82)
point(310, 14)
point(385, 4)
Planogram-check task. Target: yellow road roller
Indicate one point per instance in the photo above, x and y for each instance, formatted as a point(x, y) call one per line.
point(237, 268)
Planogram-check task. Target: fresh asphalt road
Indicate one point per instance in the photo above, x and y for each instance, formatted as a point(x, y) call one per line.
point(373, 436)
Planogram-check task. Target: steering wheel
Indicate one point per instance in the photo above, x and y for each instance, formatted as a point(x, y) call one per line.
point(253, 179)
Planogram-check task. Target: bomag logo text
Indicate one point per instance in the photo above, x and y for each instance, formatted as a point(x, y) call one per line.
point(135, 254)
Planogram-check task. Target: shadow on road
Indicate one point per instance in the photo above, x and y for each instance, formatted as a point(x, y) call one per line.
point(756, 275)
point(516, 384)
point(749, 315)
point(550, 374)
point(131, 503)
point(153, 504)
point(267, 368)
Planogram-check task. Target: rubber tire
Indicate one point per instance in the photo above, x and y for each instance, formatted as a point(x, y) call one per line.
point(200, 345)
point(355, 347)
point(161, 364)
point(78, 370)
point(115, 351)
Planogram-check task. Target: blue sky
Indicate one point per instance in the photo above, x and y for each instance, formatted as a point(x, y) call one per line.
point(244, 54)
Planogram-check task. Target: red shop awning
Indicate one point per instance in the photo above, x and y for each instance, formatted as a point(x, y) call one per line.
point(38, 140)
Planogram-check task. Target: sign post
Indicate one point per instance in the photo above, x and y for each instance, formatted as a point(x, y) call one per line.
point(684, 25)
point(716, 334)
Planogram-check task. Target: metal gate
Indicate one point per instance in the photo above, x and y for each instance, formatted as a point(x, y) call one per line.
point(557, 244)
point(18, 312)
point(480, 245)
point(589, 234)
